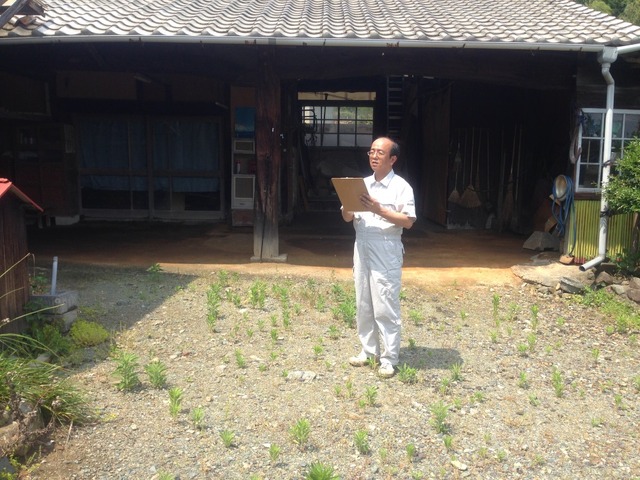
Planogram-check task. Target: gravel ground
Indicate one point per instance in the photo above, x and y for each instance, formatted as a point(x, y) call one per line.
point(484, 403)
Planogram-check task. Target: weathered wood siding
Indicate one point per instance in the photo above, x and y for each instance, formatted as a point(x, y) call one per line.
point(14, 283)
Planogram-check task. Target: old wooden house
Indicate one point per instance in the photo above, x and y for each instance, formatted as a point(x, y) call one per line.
point(243, 110)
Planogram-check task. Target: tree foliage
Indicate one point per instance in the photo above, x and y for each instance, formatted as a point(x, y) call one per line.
point(628, 10)
point(623, 188)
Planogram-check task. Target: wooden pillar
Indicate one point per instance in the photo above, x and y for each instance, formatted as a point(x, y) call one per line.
point(269, 159)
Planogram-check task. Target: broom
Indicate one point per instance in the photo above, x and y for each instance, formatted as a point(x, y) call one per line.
point(454, 196)
point(469, 198)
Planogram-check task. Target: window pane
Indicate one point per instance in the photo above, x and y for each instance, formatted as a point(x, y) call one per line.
point(330, 112)
point(365, 127)
point(330, 140)
point(347, 141)
point(589, 176)
point(617, 125)
point(347, 113)
point(632, 126)
point(363, 140)
point(592, 125)
point(365, 113)
point(348, 128)
point(590, 151)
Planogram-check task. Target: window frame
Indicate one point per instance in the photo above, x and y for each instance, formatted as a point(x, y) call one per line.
point(588, 138)
point(348, 132)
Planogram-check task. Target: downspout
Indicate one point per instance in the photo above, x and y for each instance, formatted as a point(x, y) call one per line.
point(606, 58)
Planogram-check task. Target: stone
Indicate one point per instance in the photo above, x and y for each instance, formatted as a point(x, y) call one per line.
point(634, 294)
point(58, 303)
point(634, 282)
point(571, 285)
point(542, 241)
point(604, 278)
point(619, 289)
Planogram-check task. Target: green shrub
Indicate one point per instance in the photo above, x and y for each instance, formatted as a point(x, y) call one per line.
point(88, 334)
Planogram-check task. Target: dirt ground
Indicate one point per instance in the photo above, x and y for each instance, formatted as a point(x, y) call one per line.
point(321, 242)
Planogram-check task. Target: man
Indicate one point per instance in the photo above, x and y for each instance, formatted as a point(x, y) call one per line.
point(377, 257)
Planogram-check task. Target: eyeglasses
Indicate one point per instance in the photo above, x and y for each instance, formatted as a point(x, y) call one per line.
point(372, 153)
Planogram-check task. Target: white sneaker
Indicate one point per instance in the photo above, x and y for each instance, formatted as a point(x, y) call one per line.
point(361, 360)
point(386, 370)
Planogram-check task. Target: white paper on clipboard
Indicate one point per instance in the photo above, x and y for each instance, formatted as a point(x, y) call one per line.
point(349, 190)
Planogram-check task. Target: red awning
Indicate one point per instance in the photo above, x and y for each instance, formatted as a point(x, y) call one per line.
point(6, 186)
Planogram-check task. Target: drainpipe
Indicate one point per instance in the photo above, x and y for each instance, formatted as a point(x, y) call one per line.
point(606, 58)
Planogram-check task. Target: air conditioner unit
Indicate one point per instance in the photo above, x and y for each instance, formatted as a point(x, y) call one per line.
point(243, 145)
point(243, 189)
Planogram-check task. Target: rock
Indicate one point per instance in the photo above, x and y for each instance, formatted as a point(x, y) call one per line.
point(459, 465)
point(634, 282)
point(634, 294)
point(571, 285)
point(619, 289)
point(542, 241)
point(302, 375)
point(604, 278)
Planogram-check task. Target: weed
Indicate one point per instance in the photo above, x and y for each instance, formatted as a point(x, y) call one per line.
point(501, 456)
point(448, 442)
point(561, 321)
point(445, 385)
point(166, 476)
point(531, 341)
point(456, 372)
point(416, 317)
point(371, 394)
point(478, 397)
point(463, 315)
point(274, 335)
point(300, 432)
point(318, 350)
point(523, 381)
point(595, 354)
point(157, 373)
point(617, 399)
point(197, 418)
point(274, 452)
point(412, 344)
point(407, 374)
point(636, 383)
point(361, 440)
point(411, 451)
point(538, 460)
point(534, 317)
point(228, 438)
point(334, 333)
point(127, 370)
point(495, 301)
point(439, 412)
point(320, 471)
point(240, 360)
point(533, 400)
point(597, 421)
point(557, 382)
point(175, 401)
point(346, 310)
point(523, 349)
point(493, 335)
point(258, 294)
point(88, 334)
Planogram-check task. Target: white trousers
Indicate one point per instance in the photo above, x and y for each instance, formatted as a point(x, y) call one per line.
point(377, 272)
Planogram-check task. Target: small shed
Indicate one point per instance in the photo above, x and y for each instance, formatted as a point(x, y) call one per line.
point(14, 274)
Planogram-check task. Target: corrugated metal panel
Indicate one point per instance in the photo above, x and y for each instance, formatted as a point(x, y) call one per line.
point(587, 225)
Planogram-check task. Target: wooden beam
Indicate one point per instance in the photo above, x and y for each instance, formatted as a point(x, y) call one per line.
point(268, 153)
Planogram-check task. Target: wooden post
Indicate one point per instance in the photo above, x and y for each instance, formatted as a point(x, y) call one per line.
point(268, 154)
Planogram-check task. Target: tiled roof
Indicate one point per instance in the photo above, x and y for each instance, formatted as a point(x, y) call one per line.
point(420, 22)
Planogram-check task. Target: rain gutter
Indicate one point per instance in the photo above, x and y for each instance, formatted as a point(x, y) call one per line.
point(307, 42)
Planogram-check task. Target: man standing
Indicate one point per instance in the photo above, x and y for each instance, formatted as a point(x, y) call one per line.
point(377, 257)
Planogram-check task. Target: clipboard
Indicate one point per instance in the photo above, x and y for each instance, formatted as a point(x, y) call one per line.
point(349, 190)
